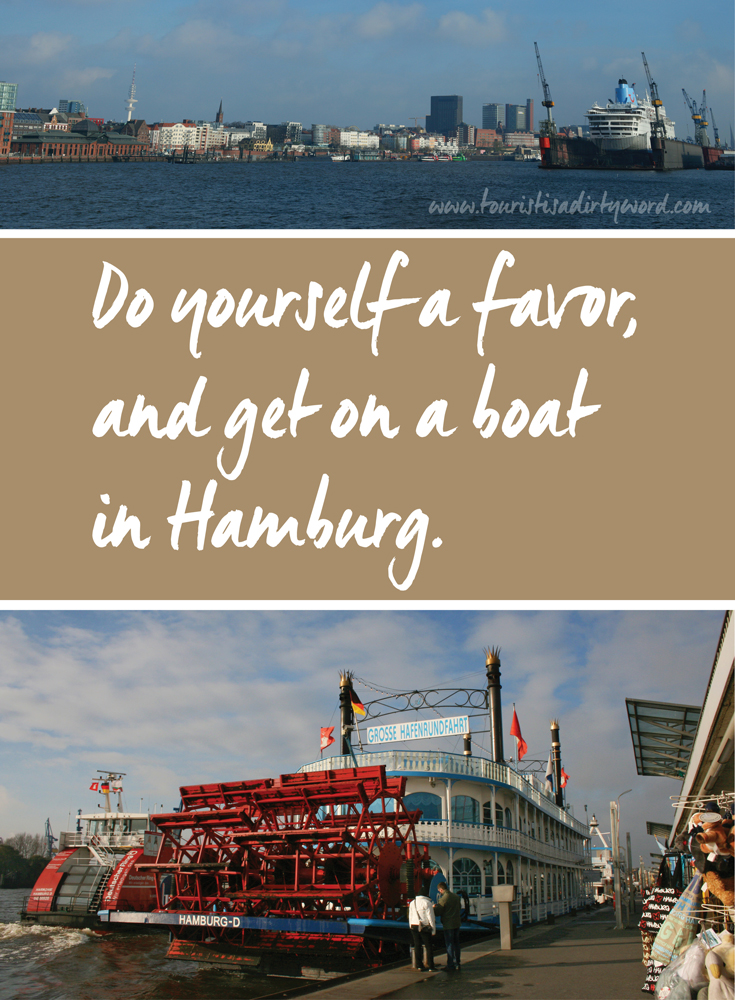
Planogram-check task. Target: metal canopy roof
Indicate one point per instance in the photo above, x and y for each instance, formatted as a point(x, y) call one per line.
point(663, 736)
point(658, 829)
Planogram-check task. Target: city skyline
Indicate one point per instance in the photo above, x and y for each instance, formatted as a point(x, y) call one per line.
point(174, 698)
point(276, 60)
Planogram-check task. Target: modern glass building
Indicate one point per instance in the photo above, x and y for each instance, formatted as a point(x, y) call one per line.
point(8, 96)
point(493, 116)
point(446, 114)
point(515, 118)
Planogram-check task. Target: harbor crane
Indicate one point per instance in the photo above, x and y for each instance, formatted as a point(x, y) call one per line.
point(658, 128)
point(547, 127)
point(714, 129)
point(698, 117)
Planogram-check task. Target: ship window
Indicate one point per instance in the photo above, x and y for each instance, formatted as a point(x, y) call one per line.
point(501, 873)
point(508, 819)
point(489, 877)
point(429, 804)
point(509, 873)
point(487, 814)
point(466, 876)
point(465, 809)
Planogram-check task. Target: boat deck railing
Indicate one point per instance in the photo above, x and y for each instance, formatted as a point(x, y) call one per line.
point(430, 762)
point(494, 838)
point(112, 840)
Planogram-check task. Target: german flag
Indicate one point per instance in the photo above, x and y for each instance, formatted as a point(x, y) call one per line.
point(358, 708)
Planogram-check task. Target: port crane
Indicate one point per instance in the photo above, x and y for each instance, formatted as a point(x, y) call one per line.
point(658, 128)
point(547, 127)
point(698, 117)
point(714, 128)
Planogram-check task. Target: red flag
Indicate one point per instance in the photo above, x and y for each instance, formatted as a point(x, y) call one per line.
point(564, 777)
point(515, 730)
point(95, 786)
point(325, 737)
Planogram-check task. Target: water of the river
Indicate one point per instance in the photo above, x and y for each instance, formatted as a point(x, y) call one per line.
point(318, 194)
point(45, 963)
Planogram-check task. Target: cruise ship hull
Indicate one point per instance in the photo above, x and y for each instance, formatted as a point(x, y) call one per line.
point(560, 152)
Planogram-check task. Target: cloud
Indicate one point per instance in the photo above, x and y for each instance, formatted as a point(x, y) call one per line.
point(174, 698)
point(386, 19)
point(46, 45)
point(468, 29)
point(76, 79)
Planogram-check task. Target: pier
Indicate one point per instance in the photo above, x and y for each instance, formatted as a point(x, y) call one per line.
point(578, 957)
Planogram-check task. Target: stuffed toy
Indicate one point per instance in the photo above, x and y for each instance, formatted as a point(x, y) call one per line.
point(719, 963)
point(709, 840)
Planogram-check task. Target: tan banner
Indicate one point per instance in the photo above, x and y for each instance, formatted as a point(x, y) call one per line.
point(464, 419)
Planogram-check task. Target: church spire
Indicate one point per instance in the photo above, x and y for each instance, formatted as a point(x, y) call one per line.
point(219, 114)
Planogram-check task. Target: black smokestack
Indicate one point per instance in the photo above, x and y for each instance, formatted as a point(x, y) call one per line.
point(556, 761)
point(492, 666)
point(345, 712)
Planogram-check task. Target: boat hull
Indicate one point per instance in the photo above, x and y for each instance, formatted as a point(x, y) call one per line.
point(75, 885)
point(563, 152)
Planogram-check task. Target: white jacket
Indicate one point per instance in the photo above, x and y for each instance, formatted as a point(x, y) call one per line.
point(421, 913)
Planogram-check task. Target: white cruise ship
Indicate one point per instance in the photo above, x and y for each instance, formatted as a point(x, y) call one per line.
point(626, 122)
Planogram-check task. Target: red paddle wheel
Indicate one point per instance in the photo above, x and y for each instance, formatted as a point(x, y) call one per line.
point(315, 868)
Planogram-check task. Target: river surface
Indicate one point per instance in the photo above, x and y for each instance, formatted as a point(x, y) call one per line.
point(319, 194)
point(49, 963)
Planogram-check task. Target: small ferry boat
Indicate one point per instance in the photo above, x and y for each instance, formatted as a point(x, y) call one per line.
point(94, 867)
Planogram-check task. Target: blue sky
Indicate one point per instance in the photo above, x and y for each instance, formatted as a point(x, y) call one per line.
point(362, 63)
point(174, 698)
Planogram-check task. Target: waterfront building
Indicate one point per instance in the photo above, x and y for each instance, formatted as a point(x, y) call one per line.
point(136, 127)
point(26, 121)
point(465, 134)
point(6, 131)
point(515, 118)
point(526, 139)
point(485, 138)
point(76, 146)
point(446, 115)
point(174, 137)
point(398, 143)
point(493, 116)
point(293, 132)
point(320, 135)
point(354, 139)
point(8, 96)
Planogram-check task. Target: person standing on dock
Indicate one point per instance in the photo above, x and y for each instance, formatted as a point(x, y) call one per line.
point(422, 922)
point(449, 907)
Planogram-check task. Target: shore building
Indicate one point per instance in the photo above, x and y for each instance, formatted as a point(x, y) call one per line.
point(446, 115)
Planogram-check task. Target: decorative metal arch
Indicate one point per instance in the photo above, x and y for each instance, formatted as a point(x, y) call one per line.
point(433, 699)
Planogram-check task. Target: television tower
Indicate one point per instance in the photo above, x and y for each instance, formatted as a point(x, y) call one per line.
point(131, 97)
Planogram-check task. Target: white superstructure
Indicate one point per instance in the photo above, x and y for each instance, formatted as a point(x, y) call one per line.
point(626, 122)
point(488, 825)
